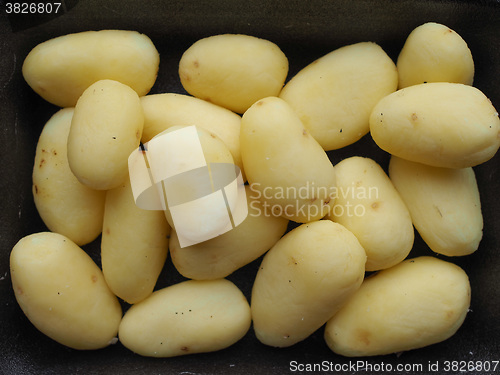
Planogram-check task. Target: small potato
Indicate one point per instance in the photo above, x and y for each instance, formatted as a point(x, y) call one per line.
point(444, 205)
point(105, 129)
point(304, 280)
point(369, 206)
point(442, 124)
point(134, 245)
point(186, 318)
point(334, 95)
point(65, 205)
point(233, 71)
point(63, 293)
point(419, 302)
point(222, 255)
point(434, 53)
point(162, 111)
point(61, 69)
point(285, 166)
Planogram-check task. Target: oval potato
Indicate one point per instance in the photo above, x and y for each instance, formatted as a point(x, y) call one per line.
point(186, 318)
point(442, 124)
point(63, 293)
point(61, 69)
point(233, 70)
point(284, 164)
point(434, 53)
point(444, 205)
point(106, 127)
point(370, 207)
point(419, 302)
point(65, 205)
point(334, 95)
point(134, 245)
point(303, 280)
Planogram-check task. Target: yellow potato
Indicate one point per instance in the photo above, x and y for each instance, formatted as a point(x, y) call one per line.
point(61, 69)
point(162, 111)
point(442, 124)
point(304, 280)
point(335, 94)
point(222, 255)
point(186, 318)
point(233, 70)
point(65, 205)
point(419, 302)
point(105, 129)
point(285, 166)
point(444, 205)
point(134, 245)
point(370, 207)
point(434, 53)
point(63, 293)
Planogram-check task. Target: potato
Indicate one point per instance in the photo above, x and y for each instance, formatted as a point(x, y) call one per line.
point(334, 95)
point(105, 129)
point(222, 255)
point(233, 70)
point(285, 166)
point(189, 317)
point(62, 292)
point(442, 124)
point(65, 205)
point(369, 206)
point(61, 69)
point(444, 205)
point(303, 280)
point(434, 53)
point(134, 245)
point(162, 111)
point(419, 302)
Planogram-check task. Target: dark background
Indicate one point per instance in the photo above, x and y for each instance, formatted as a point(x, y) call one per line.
point(304, 31)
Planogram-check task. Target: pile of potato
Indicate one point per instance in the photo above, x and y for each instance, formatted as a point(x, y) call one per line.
point(351, 217)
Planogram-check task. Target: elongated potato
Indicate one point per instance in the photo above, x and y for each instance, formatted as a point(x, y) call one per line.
point(304, 280)
point(134, 245)
point(105, 129)
point(162, 111)
point(222, 255)
point(65, 205)
point(61, 69)
point(419, 302)
point(444, 205)
point(285, 166)
point(434, 53)
point(335, 94)
point(442, 124)
point(370, 207)
point(233, 70)
point(186, 318)
point(62, 291)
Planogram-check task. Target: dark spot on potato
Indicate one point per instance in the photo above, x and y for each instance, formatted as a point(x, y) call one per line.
point(363, 336)
point(312, 200)
point(327, 201)
point(375, 205)
point(196, 63)
point(20, 290)
point(185, 349)
point(93, 278)
point(304, 132)
point(414, 117)
point(107, 230)
point(36, 189)
point(213, 135)
point(259, 103)
point(42, 162)
point(293, 261)
point(54, 152)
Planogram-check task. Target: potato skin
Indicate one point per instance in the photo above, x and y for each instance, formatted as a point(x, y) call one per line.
point(61, 69)
point(62, 291)
point(434, 53)
point(444, 204)
point(186, 318)
point(442, 124)
point(334, 95)
point(233, 70)
point(383, 226)
point(65, 205)
point(419, 302)
point(304, 280)
point(106, 127)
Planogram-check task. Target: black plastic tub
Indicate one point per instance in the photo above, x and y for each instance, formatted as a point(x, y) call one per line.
point(304, 30)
